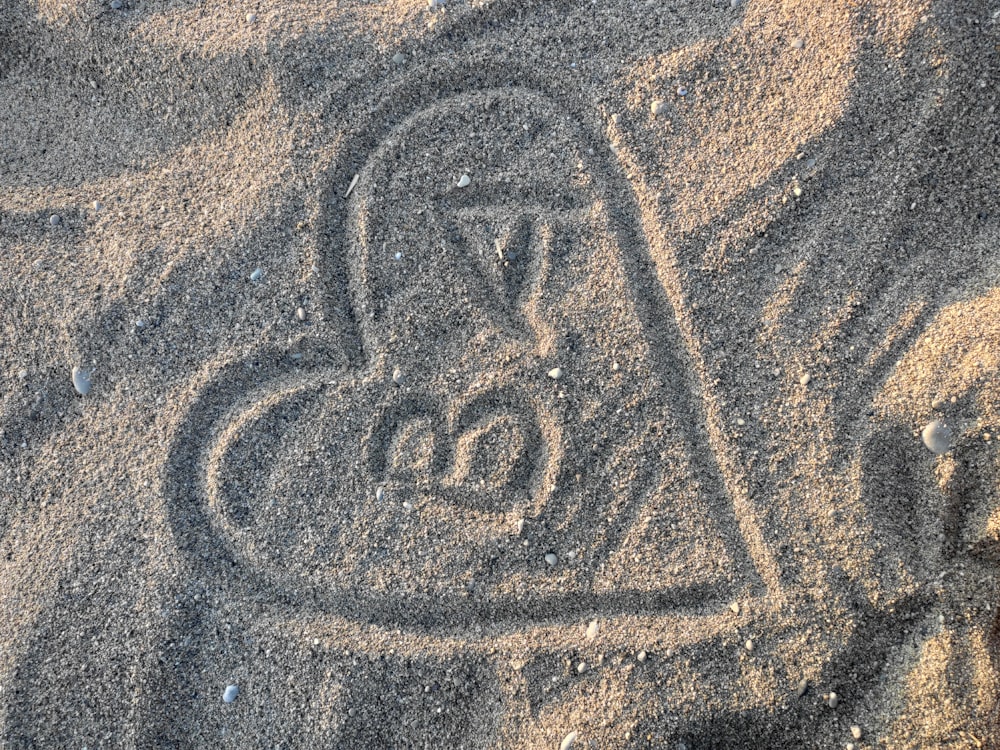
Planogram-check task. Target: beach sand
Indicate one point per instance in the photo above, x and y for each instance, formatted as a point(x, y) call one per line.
point(499, 374)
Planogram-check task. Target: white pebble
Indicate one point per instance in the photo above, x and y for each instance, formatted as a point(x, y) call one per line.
point(231, 694)
point(407, 505)
point(97, 206)
point(798, 43)
point(55, 220)
point(856, 732)
point(741, 422)
point(832, 700)
point(555, 373)
point(116, 4)
point(805, 379)
point(641, 657)
point(797, 191)
point(81, 381)
point(937, 437)
point(464, 181)
point(300, 313)
point(749, 645)
point(568, 741)
point(380, 494)
point(251, 17)
point(550, 558)
point(256, 274)
point(682, 91)
point(399, 58)
point(735, 607)
point(592, 630)
point(397, 376)
point(581, 667)
point(657, 107)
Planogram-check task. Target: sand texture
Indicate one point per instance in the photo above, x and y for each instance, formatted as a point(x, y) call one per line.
point(498, 374)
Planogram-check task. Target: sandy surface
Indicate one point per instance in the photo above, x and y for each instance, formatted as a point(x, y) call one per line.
point(620, 436)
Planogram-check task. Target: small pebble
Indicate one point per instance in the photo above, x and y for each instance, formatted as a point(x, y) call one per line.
point(300, 313)
point(407, 505)
point(116, 4)
point(397, 376)
point(805, 379)
point(682, 91)
point(849, 746)
point(741, 422)
point(256, 274)
point(641, 657)
point(832, 700)
point(581, 667)
point(616, 118)
point(464, 180)
point(380, 494)
point(797, 191)
point(55, 220)
point(568, 741)
point(735, 607)
point(251, 17)
point(22, 374)
point(399, 58)
point(734, 4)
point(81, 381)
point(231, 694)
point(550, 558)
point(937, 437)
point(802, 688)
point(657, 107)
point(856, 731)
point(555, 373)
point(592, 630)
point(798, 43)
point(749, 645)
point(97, 206)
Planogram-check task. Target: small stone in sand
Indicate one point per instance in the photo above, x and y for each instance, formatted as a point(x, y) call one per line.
point(805, 379)
point(748, 645)
point(397, 376)
point(231, 694)
point(735, 607)
point(407, 505)
point(81, 381)
point(581, 667)
point(399, 58)
point(380, 494)
point(116, 4)
point(797, 191)
point(550, 558)
point(832, 700)
point(856, 731)
point(802, 688)
point(937, 437)
point(641, 657)
point(592, 630)
point(657, 107)
point(251, 17)
point(682, 91)
point(741, 422)
point(97, 206)
point(555, 373)
point(55, 220)
point(568, 741)
point(22, 374)
point(256, 274)
point(464, 180)
point(300, 313)
point(798, 43)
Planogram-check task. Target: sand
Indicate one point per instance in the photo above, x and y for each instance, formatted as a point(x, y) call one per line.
point(620, 436)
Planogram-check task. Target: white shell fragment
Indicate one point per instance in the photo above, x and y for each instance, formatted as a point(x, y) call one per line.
point(81, 381)
point(555, 373)
point(354, 182)
point(937, 436)
point(592, 630)
point(464, 181)
point(256, 275)
point(657, 107)
point(568, 741)
point(232, 693)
